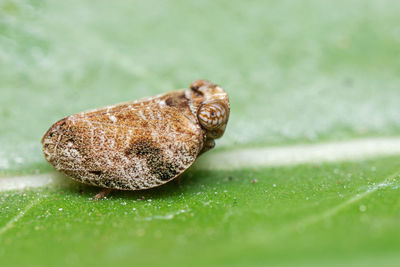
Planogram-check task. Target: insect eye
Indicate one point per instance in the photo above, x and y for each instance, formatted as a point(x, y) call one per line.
point(213, 115)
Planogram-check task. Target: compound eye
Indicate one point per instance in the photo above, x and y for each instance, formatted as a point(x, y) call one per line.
point(213, 115)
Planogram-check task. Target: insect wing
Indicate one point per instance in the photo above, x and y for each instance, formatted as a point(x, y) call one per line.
point(130, 146)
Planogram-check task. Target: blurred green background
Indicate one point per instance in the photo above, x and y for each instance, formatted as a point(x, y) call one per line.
point(296, 72)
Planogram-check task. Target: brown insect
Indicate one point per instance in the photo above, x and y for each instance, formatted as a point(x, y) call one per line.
point(140, 144)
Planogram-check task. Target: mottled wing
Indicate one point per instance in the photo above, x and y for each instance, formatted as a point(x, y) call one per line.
point(131, 146)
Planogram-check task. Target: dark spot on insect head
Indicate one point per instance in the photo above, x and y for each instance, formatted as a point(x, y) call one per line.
point(195, 86)
point(178, 101)
point(196, 90)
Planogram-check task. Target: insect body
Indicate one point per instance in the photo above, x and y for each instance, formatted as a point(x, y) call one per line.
point(140, 144)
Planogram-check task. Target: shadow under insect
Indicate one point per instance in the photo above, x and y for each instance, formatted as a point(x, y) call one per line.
point(190, 181)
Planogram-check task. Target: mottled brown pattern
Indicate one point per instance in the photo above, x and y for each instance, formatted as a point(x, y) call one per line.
point(136, 145)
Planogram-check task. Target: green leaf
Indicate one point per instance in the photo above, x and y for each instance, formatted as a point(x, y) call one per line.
point(334, 213)
point(296, 72)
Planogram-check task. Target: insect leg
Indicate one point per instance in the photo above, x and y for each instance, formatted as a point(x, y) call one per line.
point(103, 193)
point(209, 144)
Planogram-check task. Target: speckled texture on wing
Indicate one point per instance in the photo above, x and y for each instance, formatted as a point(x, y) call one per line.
point(130, 146)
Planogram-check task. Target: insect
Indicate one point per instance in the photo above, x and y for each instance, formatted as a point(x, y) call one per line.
point(140, 144)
